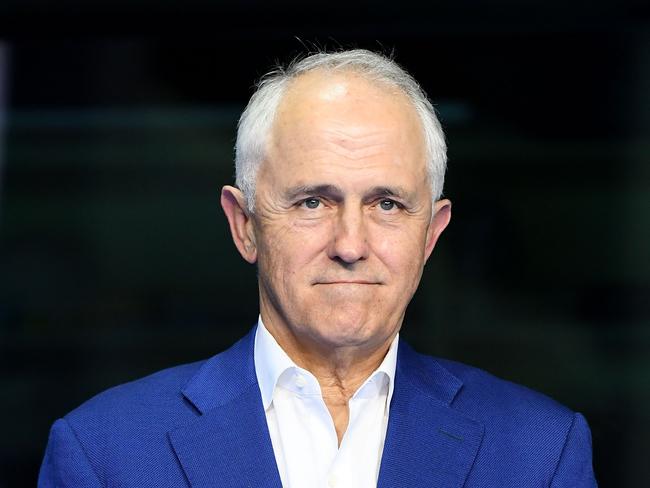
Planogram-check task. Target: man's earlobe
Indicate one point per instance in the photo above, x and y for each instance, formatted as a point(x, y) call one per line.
point(440, 220)
point(240, 222)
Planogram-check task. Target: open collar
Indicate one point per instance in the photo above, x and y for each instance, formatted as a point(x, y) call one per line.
point(428, 442)
point(271, 362)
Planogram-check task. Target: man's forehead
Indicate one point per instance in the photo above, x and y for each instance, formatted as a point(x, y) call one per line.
point(333, 126)
point(339, 88)
point(345, 109)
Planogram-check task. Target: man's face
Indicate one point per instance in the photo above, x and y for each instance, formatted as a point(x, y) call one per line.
point(342, 225)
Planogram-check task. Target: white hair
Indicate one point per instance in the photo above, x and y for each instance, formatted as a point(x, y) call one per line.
point(256, 122)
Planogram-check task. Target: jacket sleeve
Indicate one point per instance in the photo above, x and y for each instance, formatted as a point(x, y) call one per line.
point(574, 469)
point(65, 464)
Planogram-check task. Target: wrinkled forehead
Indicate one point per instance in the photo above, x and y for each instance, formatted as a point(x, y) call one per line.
point(344, 130)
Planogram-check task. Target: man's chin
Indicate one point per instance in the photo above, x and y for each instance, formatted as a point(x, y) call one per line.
point(355, 304)
point(346, 331)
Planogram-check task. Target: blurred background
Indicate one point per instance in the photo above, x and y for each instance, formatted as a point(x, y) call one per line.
point(117, 123)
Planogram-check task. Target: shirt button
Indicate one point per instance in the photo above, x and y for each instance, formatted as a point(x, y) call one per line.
point(300, 381)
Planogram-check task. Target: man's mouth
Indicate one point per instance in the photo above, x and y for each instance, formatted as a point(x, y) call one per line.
point(347, 282)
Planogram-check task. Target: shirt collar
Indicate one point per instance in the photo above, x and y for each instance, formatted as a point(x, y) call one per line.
point(271, 362)
point(388, 366)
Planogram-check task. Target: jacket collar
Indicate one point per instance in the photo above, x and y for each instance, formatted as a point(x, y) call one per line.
point(428, 443)
point(222, 378)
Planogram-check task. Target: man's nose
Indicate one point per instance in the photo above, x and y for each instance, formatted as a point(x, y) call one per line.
point(349, 238)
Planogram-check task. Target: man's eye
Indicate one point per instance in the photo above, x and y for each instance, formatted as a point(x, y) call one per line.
point(311, 203)
point(387, 205)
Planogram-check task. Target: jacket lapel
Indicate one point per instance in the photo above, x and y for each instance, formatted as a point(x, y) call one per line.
point(427, 442)
point(229, 443)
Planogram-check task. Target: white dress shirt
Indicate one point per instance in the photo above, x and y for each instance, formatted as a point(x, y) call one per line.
point(302, 431)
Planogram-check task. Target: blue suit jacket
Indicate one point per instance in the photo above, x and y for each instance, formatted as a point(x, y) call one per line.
point(203, 425)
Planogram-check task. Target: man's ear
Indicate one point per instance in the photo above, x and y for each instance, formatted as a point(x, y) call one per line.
point(241, 224)
point(440, 220)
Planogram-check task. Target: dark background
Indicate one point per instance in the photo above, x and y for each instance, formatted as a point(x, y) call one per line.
point(119, 122)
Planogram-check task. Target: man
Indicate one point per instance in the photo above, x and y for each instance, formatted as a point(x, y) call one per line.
point(340, 163)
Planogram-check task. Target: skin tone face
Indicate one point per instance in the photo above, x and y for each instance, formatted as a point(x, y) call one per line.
point(342, 227)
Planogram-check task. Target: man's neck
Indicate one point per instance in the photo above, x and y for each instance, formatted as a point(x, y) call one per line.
point(340, 371)
point(344, 368)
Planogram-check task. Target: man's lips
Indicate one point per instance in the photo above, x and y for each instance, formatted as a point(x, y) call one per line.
point(347, 282)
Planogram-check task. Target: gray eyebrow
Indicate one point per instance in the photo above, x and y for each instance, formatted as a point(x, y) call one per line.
point(388, 191)
point(331, 191)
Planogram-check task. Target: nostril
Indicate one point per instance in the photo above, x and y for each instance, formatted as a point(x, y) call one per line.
point(350, 250)
point(349, 240)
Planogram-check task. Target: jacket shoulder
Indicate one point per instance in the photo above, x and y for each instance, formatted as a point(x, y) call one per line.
point(136, 399)
point(120, 435)
point(523, 429)
point(484, 394)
